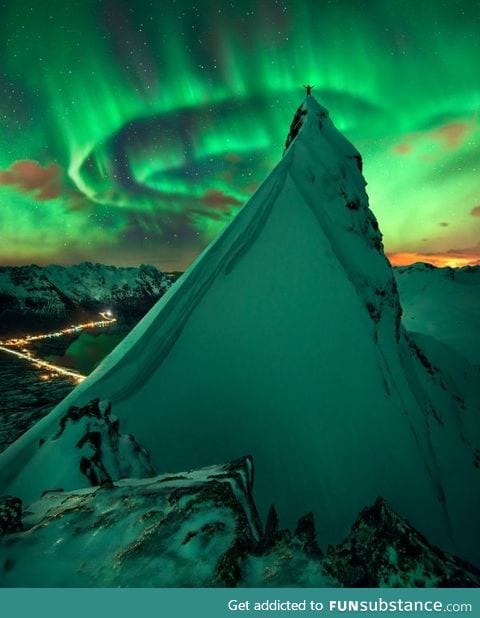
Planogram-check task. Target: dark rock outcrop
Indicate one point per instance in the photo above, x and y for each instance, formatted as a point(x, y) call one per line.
point(11, 511)
point(101, 452)
point(194, 529)
point(201, 528)
point(383, 549)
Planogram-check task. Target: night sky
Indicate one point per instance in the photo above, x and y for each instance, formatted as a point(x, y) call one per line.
point(132, 131)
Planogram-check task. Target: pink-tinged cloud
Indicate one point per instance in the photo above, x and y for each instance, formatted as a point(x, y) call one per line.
point(450, 136)
point(455, 258)
point(475, 212)
point(45, 183)
point(403, 148)
point(227, 176)
point(251, 187)
point(232, 157)
point(454, 133)
point(219, 200)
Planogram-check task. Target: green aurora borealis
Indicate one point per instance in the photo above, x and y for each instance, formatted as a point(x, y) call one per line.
point(132, 131)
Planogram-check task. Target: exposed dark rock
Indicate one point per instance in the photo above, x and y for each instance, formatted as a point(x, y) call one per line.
point(353, 204)
point(201, 528)
point(295, 126)
point(11, 510)
point(75, 413)
point(358, 160)
point(423, 358)
point(383, 549)
point(104, 453)
point(374, 311)
point(306, 534)
point(271, 533)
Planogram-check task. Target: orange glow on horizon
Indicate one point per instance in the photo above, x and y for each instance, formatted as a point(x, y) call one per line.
point(453, 259)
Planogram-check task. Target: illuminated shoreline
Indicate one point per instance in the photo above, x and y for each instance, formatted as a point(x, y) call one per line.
point(10, 346)
point(37, 362)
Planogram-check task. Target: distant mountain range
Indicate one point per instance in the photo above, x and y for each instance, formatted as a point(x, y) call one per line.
point(439, 302)
point(442, 303)
point(34, 297)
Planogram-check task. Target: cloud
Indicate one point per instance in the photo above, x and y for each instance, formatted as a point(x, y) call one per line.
point(453, 134)
point(213, 198)
point(251, 187)
point(175, 229)
point(232, 157)
point(450, 136)
point(475, 212)
point(455, 258)
point(78, 202)
point(44, 183)
point(402, 148)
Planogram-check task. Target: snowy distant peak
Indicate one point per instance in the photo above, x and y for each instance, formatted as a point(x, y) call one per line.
point(442, 303)
point(32, 296)
point(417, 267)
point(440, 271)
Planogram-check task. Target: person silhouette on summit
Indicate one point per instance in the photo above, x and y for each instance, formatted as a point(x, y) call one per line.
point(309, 90)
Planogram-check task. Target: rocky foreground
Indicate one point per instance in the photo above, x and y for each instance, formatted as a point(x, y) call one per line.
point(192, 529)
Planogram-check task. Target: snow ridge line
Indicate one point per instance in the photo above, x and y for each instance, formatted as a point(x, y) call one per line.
point(159, 346)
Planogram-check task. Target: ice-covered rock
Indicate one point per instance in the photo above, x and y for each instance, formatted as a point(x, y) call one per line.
point(88, 442)
point(187, 529)
point(201, 528)
point(384, 550)
point(11, 510)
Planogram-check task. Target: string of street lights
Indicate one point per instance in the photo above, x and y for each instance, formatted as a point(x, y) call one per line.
point(18, 346)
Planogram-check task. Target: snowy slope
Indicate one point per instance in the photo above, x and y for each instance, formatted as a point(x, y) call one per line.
point(283, 340)
point(443, 303)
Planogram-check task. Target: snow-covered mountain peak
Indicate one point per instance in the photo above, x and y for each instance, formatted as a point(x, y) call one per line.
point(312, 122)
point(322, 162)
point(283, 340)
